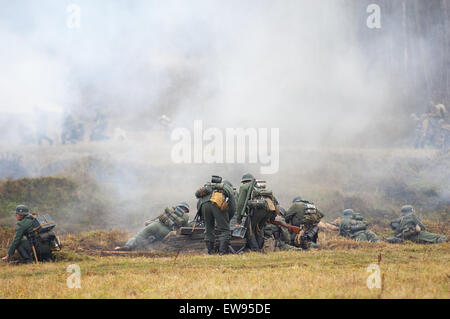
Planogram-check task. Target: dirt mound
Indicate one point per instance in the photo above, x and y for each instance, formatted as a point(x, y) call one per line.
point(94, 240)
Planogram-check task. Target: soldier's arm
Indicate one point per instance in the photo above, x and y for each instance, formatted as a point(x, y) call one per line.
point(17, 238)
point(232, 201)
point(290, 213)
point(240, 203)
point(418, 222)
point(185, 220)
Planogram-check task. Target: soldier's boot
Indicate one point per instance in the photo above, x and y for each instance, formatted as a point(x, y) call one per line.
point(252, 243)
point(210, 247)
point(442, 239)
point(25, 254)
point(260, 241)
point(393, 240)
point(223, 247)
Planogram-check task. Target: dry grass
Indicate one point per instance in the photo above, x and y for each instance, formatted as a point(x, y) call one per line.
point(410, 271)
point(338, 270)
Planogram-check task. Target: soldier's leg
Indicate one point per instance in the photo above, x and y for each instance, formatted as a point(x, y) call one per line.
point(222, 228)
point(265, 215)
point(425, 237)
point(141, 239)
point(25, 251)
point(209, 219)
point(251, 237)
point(359, 236)
point(371, 236)
point(254, 239)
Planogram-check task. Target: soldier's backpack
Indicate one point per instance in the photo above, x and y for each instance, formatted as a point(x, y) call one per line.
point(219, 196)
point(312, 214)
point(43, 237)
point(262, 198)
point(169, 217)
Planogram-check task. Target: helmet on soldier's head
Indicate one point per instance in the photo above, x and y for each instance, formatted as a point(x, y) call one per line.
point(247, 178)
point(184, 205)
point(282, 211)
point(348, 212)
point(22, 210)
point(297, 199)
point(407, 209)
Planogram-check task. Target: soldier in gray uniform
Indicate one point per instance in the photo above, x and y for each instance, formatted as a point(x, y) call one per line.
point(354, 227)
point(409, 227)
point(171, 219)
point(216, 205)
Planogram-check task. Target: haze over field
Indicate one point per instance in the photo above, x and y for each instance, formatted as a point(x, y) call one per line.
point(315, 70)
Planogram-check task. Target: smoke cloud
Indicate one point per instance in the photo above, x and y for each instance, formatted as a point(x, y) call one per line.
point(312, 69)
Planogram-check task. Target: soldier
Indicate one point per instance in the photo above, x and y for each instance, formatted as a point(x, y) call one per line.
point(352, 226)
point(409, 227)
point(417, 127)
point(303, 213)
point(68, 127)
point(72, 132)
point(158, 228)
point(279, 234)
point(431, 126)
point(99, 129)
point(261, 206)
point(216, 205)
point(23, 237)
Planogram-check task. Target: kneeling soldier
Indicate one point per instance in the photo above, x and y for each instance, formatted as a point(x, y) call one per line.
point(28, 241)
point(304, 214)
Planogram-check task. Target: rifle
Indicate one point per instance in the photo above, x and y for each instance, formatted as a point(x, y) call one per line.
point(292, 228)
point(197, 219)
point(240, 231)
point(33, 247)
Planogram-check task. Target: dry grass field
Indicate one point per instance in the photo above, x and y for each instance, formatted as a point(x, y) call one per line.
point(337, 270)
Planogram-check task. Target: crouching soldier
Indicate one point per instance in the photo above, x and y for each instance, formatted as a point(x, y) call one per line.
point(409, 227)
point(171, 219)
point(280, 235)
point(216, 205)
point(304, 214)
point(353, 226)
point(33, 241)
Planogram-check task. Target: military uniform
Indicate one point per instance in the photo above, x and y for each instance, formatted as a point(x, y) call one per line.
point(216, 205)
point(352, 226)
point(172, 219)
point(99, 129)
point(20, 242)
point(432, 130)
point(24, 234)
point(409, 227)
point(304, 214)
point(257, 216)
